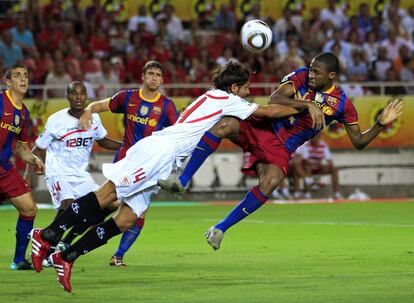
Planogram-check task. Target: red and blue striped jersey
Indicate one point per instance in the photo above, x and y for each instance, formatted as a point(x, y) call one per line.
point(142, 116)
point(295, 130)
point(14, 124)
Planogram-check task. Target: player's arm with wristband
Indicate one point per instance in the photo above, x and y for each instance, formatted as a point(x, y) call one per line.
point(389, 114)
point(85, 121)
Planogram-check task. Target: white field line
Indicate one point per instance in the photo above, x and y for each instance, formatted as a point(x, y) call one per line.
point(327, 223)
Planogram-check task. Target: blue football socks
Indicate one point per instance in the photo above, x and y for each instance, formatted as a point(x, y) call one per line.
point(23, 227)
point(129, 237)
point(205, 147)
point(252, 201)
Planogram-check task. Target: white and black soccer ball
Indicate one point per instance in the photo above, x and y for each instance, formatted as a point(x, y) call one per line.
point(256, 36)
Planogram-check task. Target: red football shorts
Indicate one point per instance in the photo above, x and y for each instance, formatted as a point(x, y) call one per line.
point(12, 185)
point(257, 137)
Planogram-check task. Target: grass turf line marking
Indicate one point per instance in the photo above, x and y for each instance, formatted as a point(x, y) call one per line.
point(326, 223)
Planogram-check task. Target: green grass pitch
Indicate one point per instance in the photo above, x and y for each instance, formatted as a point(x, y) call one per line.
point(355, 252)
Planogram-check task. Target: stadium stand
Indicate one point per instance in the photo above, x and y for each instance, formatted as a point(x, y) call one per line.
point(106, 46)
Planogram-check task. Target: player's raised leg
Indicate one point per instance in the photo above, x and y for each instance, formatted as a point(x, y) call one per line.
point(226, 128)
point(270, 176)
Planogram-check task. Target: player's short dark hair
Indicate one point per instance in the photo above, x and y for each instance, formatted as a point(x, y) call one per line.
point(230, 73)
point(9, 71)
point(330, 60)
point(153, 64)
point(72, 85)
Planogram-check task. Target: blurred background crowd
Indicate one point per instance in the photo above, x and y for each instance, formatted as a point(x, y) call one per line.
point(61, 41)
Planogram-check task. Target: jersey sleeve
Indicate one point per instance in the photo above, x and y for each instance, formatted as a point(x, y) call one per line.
point(238, 107)
point(46, 137)
point(297, 78)
point(24, 134)
point(350, 115)
point(172, 114)
point(117, 103)
point(99, 130)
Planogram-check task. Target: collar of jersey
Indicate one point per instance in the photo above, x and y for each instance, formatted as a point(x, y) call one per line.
point(157, 96)
point(329, 90)
point(19, 107)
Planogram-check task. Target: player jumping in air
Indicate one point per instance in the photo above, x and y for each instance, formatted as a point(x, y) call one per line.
point(145, 111)
point(66, 150)
point(271, 144)
point(134, 178)
point(14, 124)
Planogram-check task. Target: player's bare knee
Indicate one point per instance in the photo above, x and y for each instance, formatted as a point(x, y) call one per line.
point(125, 217)
point(268, 184)
point(65, 204)
point(106, 194)
point(29, 210)
point(123, 223)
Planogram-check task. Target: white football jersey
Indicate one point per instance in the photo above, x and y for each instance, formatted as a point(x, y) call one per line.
point(67, 147)
point(201, 115)
point(153, 157)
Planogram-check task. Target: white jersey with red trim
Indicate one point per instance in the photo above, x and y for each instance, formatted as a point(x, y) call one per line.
point(68, 148)
point(201, 115)
point(152, 158)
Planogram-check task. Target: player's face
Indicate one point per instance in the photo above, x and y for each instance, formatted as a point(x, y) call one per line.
point(241, 91)
point(319, 78)
point(19, 80)
point(77, 97)
point(152, 79)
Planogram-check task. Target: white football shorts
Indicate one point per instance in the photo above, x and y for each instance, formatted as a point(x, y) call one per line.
point(136, 176)
point(61, 190)
point(140, 202)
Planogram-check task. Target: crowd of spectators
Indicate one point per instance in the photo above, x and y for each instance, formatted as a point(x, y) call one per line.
point(94, 44)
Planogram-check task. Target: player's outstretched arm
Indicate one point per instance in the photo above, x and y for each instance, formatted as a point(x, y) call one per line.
point(23, 151)
point(284, 96)
point(274, 111)
point(390, 113)
point(109, 143)
point(85, 121)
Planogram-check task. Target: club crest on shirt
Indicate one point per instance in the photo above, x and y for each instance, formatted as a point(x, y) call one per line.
point(156, 110)
point(331, 100)
point(144, 110)
point(124, 181)
point(16, 119)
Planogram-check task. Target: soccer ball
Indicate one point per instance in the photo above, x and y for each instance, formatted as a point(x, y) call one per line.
point(256, 36)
